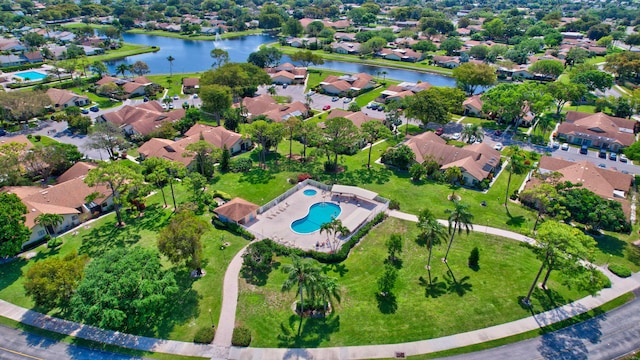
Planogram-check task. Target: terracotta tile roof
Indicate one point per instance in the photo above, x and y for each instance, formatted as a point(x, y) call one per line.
point(236, 209)
point(20, 139)
point(142, 80)
point(79, 169)
point(284, 73)
point(131, 87)
point(165, 149)
point(473, 102)
point(143, 118)
point(107, 79)
point(598, 125)
point(190, 82)
point(59, 96)
point(218, 136)
point(357, 118)
point(266, 105)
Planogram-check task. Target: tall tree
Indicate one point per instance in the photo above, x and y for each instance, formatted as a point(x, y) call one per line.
point(505, 101)
point(340, 135)
point(544, 198)
point(470, 75)
point(593, 79)
point(140, 68)
point(118, 177)
point(547, 68)
point(180, 240)
point(52, 282)
point(459, 218)
point(432, 232)
point(122, 68)
point(216, 99)
point(562, 93)
point(308, 133)
point(306, 58)
point(16, 107)
point(334, 228)
point(427, 107)
point(516, 163)
point(13, 231)
point(170, 59)
point(106, 136)
point(220, 57)
point(471, 131)
point(259, 131)
point(243, 79)
point(292, 126)
point(125, 290)
point(204, 153)
point(303, 275)
point(562, 247)
point(373, 131)
point(99, 68)
point(49, 221)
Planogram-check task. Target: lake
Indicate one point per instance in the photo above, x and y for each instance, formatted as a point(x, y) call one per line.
point(193, 56)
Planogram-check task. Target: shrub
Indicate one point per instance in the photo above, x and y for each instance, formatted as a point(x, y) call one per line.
point(474, 259)
point(241, 165)
point(232, 228)
point(38, 137)
point(241, 336)
point(53, 243)
point(304, 176)
point(204, 335)
point(620, 270)
point(394, 205)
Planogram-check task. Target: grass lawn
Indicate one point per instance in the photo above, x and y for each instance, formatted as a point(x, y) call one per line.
point(461, 300)
point(317, 75)
point(44, 140)
point(126, 50)
point(102, 101)
point(173, 83)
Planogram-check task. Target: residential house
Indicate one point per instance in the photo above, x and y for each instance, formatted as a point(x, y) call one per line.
point(20, 139)
point(473, 106)
point(288, 74)
point(338, 85)
point(357, 118)
point(130, 87)
point(477, 162)
point(597, 130)
point(400, 55)
point(65, 98)
point(11, 60)
point(190, 85)
point(265, 105)
point(301, 42)
point(33, 57)
point(342, 36)
point(238, 211)
point(402, 90)
point(141, 119)
point(346, 48)
point(449, 62)
point(606, 183)
point(11, 44)
point(67, 198)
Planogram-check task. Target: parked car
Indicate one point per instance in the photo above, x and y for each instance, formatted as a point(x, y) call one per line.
point(171, 106)
point(439, 131)
point(456, 136)
point(3, 132)
point(284, 86)
point(94, 108)
point(374, 106)
point(176, 97)
point(498, 146)
point(326, 107)
point(310, 93)
point(347, 100)
point(164, 106)
point(381, 108)
point(584, 150)
point(146, 98)
point(623, 158)
point(602, 166)
point(565, 147)
point(335, 98)
point(602, 154)
point(498, 132)
point(84, 111)
point(613, 156)
point(195, 96)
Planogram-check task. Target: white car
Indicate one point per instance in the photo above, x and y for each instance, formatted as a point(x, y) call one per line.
point(623, 158)
point(164, 106)
point(176, 97)
point(565, 147)
point(498, 146)
point(455, 136)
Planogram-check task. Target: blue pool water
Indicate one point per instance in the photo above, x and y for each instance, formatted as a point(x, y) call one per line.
point(309, 192)
point(31, 75)
point(319, 213)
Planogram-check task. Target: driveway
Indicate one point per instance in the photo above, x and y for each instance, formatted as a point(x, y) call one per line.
point(573, 154)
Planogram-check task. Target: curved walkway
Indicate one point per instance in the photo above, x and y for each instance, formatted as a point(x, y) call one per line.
point(221, 347)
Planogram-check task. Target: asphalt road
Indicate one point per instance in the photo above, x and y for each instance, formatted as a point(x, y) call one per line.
point(608, 336)
point(19, 345)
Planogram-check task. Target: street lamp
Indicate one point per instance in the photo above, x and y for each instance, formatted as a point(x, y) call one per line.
point(211, 317)
point(172, 173)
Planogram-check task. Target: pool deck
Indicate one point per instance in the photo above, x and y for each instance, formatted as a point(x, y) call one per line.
point(275, 223)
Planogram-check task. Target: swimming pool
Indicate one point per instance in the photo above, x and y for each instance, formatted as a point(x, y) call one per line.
point(319, 213)
point(31, 76)
point(310, 192)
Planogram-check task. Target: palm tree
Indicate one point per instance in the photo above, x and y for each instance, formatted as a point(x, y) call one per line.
point(384, 75)
point(308, 100)
point(304, 275)
point(472, 131)
point(431, 231)
point(327, 288)
point(515, 157)
point(459, 218)
point(170, 59)
point(335, 228)
point(49, 220)
point(453, 176)
point(122, 68)
point(544, 124)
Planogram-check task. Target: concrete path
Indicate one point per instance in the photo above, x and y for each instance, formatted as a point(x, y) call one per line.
point(221, 348)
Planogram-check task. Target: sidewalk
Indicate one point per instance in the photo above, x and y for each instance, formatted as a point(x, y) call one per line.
point(222, 349)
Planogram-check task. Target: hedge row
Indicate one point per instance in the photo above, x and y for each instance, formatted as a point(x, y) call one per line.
point(9, 69)
point(328, 258)
point(232, 228)
point(241, 336)
point(620, 270)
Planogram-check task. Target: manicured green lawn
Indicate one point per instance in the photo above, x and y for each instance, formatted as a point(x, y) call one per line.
point(102, 101)
point(317, 75)
point(462, 300)
point(173, 83)
point(228, 35)
point(44, 140)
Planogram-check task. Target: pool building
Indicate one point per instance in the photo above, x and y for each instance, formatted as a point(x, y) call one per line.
point(294, 218)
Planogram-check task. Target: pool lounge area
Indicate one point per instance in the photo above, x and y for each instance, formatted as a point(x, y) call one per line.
point(30, 75)
point(295, 220)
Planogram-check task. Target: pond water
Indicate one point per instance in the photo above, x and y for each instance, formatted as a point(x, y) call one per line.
point(193, 56)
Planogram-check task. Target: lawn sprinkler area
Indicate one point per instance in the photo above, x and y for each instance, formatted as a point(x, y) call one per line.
point(294, 218)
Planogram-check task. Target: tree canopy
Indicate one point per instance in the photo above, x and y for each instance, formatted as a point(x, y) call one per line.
point(13, 232)
point(470, 75)
point(53, 281)
point(180, 240)
point(242, 78)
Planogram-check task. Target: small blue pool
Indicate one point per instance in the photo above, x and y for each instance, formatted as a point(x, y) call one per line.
point(319, 213)
point(31, 75)
point(309, 192)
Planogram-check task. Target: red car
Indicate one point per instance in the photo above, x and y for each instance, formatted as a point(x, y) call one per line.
point(326, 107)
point(439, 131)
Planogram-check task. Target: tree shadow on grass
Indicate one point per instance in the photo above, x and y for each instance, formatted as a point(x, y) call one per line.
point(433, 289)
point(610, 245)
point(314, 331)
point(457, 286)
point(340, 269)
point(515, 221)
point(107, 237)
point(549, 299)
point(633, 254)
point(154, 219)
point(396, 262)
point(367, 176)
point(257, 176)
point(11, 271)
point(387, 304)
point(183, 307)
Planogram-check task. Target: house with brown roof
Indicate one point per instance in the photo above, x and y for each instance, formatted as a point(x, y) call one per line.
point(67, 198)
point(402, 90)
point(20, 139)
point(597, 130)
point(218, 136)
point(265, 105)
point(141, 119)
point(338, 85)
point(477, 161)
point(65, 98)
point(130, 87)
point(473, 106)
point(287, 73)
point(357, 118)
point(606, 183)
point(400, 55)
point(449, 62)
point(237, 211)
point(190, 85)
point(346, 48)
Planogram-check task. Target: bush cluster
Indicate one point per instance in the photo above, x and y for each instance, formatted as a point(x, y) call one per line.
point(233, 228)
point(241, 336)
point(241, 165)
point(327, 258)
point(620, 270)
point(53, 243)
point(204, 335)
